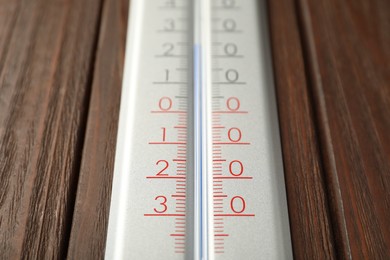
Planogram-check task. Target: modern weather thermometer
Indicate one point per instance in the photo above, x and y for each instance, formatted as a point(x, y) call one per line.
point(198, 168)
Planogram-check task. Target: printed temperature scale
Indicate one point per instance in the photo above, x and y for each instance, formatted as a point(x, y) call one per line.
point(198, 169)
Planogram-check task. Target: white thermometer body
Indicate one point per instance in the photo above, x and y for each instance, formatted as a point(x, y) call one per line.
point(198, 168)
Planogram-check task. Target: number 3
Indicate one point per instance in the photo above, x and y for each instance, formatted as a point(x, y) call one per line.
point(163, 204)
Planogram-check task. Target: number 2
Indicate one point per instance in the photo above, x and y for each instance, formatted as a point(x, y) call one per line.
point(168, 49)
point(160, 173)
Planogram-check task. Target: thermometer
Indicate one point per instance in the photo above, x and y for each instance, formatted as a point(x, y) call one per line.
point(198, 168)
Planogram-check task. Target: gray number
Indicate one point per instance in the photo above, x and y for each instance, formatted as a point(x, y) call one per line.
point(166, 75)
point(168, 49)
point(231, 75)
point(169, 25)
point(229, 25)
point(228, 3)
point(170, 3)
point(230, 49)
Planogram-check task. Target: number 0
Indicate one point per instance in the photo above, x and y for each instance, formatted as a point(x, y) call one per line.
point(239, 167)
point(165, 104)
point(233, 103)
point(238, 134)
point(231, 75)
point(234, 208)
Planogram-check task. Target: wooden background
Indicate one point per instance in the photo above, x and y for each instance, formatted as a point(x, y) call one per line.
point(61, 65)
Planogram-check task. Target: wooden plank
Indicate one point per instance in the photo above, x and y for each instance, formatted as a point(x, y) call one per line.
point(47, 52)
point(348, 56)
point(94, 190)
point(310, 225)
point(8, 17)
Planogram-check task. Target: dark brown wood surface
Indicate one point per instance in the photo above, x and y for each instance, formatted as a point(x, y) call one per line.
point(46, 64)
point(347, 51)
point(61, 65)
point(307, 202)
point(94, 190)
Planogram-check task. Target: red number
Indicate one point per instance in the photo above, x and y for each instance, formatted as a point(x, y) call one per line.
point(238, 134)
point(164, 133)
point(160, 173)
point(233, 104)
point(163, 204)
point(165, 106)
point(240, 167)
point(234, 209)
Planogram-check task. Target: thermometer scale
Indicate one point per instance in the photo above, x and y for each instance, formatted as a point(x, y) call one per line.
point(198, 169)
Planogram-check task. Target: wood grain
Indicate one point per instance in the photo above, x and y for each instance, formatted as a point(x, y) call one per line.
point(61, 65)
point(94, 189)
point(347, 52)
point(310, 225)
point(47, 52)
